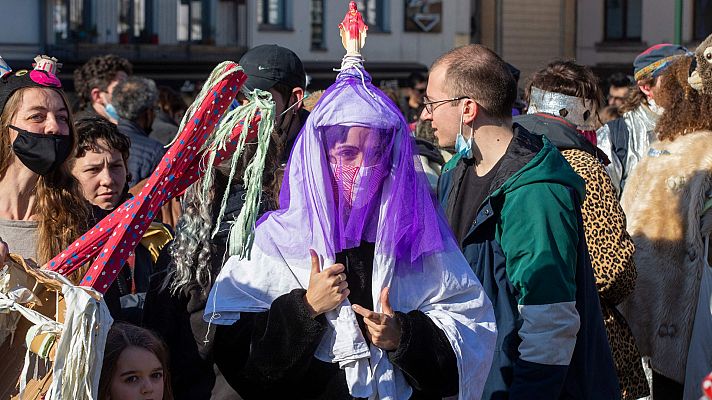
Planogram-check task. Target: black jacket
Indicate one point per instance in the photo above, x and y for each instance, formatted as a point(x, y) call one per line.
point(178, 319)
point(124, 298)
point(145, 153)
point(270, 355)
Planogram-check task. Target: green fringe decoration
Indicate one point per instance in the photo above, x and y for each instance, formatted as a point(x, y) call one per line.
point(242, 230)
point(241, 234)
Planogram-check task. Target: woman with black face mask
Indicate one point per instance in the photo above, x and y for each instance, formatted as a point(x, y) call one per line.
point(41, 208)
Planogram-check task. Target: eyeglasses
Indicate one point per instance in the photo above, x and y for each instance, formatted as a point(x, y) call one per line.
point(428, 104)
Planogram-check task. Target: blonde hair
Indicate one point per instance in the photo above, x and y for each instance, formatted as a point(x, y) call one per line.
point(62, 212)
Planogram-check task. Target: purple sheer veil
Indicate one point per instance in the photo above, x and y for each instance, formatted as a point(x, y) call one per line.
point(353, 176)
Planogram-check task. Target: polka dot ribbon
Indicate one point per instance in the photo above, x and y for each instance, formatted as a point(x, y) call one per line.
point(707, 386)
point(112, 241)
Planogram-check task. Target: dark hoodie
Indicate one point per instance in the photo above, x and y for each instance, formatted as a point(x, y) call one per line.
point(560, 132)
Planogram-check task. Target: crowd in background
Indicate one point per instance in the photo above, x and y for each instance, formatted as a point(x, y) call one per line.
point(591, 242)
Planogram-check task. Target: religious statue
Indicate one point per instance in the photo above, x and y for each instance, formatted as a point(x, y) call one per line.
point(353, 31)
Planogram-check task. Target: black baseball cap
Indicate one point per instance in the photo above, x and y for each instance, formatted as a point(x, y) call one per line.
point(268, 64)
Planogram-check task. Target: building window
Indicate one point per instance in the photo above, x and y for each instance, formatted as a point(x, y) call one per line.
point(703, 19)
point(623, 20)
point(318, 40)
point(272, 15)
point(376, 14)
point(72, 21)
point(193, 21)
point(229, 22)
point(135, 18)
point(426, 16)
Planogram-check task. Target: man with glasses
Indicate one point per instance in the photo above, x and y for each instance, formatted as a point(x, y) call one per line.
point(619, 85)
point(513, 203)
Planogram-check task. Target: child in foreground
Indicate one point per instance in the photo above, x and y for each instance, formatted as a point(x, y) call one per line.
point(135, 365)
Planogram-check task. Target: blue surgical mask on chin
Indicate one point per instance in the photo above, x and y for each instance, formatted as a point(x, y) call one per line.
point(111, 111)
point(463, 146)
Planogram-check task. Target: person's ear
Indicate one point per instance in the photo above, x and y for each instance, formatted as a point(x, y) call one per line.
point(299, 94)
point(96, 96)
point(470, 111)
point(647, 89)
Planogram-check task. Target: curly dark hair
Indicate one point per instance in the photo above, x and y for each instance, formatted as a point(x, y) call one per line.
point(92, 129)
point(686, 110)
point(98, 72)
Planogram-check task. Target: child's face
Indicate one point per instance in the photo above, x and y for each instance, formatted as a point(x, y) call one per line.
point(138, 376)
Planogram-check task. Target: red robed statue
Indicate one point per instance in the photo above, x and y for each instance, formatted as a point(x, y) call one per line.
point(353, 31)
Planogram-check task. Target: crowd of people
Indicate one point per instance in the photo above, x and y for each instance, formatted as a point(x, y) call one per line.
point(462, 239)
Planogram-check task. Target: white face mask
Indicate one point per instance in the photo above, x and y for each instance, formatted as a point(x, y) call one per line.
point(654, 107)
point(462, 146)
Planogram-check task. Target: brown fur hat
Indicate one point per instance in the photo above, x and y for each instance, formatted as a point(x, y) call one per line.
point(701, 75)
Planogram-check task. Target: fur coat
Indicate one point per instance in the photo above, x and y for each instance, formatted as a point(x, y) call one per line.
point(663, 200)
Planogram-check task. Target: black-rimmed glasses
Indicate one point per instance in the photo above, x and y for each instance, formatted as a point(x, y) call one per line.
point(428, 104)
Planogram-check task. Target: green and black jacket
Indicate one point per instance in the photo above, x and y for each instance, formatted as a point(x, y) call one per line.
point(527, 247)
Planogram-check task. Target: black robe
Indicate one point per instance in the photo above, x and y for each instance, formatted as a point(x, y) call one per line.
point(270, 355)
point(178, 318)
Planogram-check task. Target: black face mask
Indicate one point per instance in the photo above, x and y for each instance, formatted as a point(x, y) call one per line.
point(41, 153)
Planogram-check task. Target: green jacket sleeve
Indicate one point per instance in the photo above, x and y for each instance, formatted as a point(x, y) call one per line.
point(539, 236)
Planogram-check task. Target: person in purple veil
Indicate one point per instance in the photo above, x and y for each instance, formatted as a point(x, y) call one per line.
point(355, 288)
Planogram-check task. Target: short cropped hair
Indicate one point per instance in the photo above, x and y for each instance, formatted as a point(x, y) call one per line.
point(91, 130)
point(480, 74)
point(98, 72)
point(133, 97)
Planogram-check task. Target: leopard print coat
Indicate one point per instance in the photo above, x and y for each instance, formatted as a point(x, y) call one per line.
point(611, 250)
